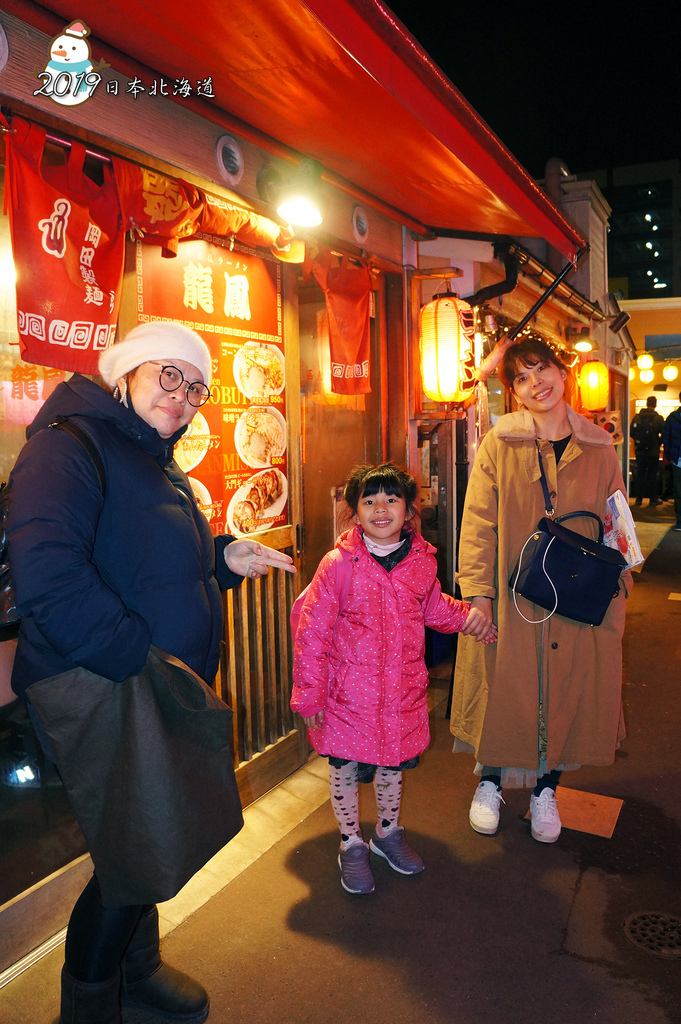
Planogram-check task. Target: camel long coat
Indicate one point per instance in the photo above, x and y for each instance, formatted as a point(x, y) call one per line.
point(550, 694)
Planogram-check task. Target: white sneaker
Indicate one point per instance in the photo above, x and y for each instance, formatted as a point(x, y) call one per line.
point(544, 816)
point(484, 812)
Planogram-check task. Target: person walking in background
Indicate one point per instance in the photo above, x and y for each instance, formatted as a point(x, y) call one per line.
point(671, 441)
point(99, 577)
point(646, 432)
point(547, 696)
point(359, 675)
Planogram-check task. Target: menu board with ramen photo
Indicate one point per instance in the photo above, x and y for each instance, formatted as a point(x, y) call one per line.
point(235, 449)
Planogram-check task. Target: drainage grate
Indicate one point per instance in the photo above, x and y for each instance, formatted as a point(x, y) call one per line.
point(659, 934)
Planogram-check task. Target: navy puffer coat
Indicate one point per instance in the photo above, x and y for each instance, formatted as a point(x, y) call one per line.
point(99, 579)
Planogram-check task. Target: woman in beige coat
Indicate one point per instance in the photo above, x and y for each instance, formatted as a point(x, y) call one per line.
point(547, 696)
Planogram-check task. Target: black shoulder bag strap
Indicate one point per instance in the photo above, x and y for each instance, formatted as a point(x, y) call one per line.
point(63, 423)
point(549, 510)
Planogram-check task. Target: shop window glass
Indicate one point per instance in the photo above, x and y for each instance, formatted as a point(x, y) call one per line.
point(337, 431)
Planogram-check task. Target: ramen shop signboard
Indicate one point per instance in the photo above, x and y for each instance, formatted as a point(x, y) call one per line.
point(234, 451)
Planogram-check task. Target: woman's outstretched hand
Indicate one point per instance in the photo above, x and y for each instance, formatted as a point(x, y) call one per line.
point(479, 622)
point(249, 558)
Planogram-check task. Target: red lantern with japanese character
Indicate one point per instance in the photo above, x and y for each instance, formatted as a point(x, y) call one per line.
point(447, 331)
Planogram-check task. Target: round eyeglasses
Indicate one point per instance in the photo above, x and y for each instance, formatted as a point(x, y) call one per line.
point(170, 379)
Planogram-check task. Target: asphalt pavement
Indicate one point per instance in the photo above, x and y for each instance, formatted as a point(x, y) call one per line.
point(497, 930)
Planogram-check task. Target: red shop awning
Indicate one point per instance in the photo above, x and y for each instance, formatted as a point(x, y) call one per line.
point(341, 81)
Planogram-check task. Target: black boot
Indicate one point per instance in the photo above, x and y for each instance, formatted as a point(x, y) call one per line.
point(151, 985)
point(85, 1003)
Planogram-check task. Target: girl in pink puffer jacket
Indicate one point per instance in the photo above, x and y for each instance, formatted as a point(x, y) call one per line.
point(359, 675)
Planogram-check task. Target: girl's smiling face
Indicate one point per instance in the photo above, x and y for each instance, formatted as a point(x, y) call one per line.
point(382, 517)
point(540, 387)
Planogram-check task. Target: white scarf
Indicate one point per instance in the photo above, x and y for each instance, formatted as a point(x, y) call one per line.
point(381, 549)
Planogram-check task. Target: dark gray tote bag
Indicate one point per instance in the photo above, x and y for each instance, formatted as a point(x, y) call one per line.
point(147, 766)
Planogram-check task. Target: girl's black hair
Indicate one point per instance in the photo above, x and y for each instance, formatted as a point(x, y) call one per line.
point(526, 353)
point(365, 481)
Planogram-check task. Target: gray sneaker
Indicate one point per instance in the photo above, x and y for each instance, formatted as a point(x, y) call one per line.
point(356, 874)
point(397, 852)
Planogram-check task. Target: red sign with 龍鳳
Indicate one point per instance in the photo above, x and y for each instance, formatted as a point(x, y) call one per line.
point(234, 451)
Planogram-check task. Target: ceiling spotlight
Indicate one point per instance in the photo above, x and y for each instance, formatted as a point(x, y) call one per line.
point(618, 321)
point(268, 184)
point(583, 345)
point(300, 202)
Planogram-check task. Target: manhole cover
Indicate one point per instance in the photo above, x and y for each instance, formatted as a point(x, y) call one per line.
point(659, 934)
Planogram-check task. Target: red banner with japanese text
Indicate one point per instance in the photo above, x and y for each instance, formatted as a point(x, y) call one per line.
point(164, 210)
point(234, 451)
point(346, 283)
point(68, 253)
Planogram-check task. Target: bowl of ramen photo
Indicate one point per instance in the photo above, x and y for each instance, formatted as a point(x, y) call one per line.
point(259, 370)
point(260, 436)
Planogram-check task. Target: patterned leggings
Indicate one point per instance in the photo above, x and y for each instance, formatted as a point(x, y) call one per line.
point(345, 799)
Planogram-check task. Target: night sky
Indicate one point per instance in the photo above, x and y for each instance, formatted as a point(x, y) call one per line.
point(597, 84)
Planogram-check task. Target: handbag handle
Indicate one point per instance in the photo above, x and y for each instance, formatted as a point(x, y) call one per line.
point(592, 515)
point(549, 509)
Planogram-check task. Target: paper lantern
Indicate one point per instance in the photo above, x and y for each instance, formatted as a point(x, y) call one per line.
point(447, 334)
point(646, 376)
point(594, 384)
point(645, 362)
point(670, 373)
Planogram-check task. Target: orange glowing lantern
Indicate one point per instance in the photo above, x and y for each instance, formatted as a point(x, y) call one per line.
point(594, 384)
point(447, 333)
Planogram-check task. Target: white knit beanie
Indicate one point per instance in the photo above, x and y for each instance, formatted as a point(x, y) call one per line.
point(155, 341)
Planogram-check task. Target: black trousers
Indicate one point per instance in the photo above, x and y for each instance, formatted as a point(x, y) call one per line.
point(647, 475)
point(98, 936)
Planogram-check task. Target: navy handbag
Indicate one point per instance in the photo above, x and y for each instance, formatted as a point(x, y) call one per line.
point(564, 572)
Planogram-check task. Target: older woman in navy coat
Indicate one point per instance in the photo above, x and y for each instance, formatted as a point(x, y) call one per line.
point(101, 577)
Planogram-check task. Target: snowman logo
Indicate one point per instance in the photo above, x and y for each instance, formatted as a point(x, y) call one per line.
point(69, 76)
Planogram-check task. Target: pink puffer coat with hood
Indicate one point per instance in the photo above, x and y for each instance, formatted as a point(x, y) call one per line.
point(365, 667)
